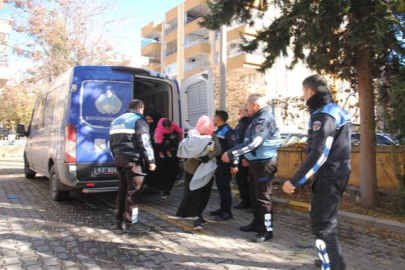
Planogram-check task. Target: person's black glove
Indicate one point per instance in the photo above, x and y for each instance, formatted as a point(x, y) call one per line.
point(204, 159)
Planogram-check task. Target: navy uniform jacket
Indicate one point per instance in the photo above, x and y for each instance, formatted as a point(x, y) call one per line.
point(228, 138)
point(241, 127)
point(261, 139)
point(129, 137)
point(329, 143)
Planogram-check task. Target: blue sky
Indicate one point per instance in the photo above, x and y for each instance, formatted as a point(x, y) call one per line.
point(145, 12)
point(141, 12)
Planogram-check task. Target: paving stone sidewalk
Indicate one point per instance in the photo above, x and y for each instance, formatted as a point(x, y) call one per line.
point(38, 233)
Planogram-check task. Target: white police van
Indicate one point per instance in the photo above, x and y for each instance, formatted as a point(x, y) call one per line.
point(69, 132)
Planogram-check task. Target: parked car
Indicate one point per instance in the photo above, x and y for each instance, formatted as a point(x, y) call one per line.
point(381, 139)
point(291, 138)
point(68, 135)
point(4, 132)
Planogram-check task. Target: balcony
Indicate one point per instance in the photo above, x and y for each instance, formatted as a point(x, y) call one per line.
point(192, 68)
point(239, 32)
point(151, 49)
point(153, 65)
point(192, 4)
point(197, 47)
point(172, 14)
point(171, 36)
point(193, 27)
point(171, 57)
point(240, 61)
point(152, 30)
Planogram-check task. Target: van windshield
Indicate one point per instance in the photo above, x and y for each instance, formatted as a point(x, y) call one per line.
point(102, 101)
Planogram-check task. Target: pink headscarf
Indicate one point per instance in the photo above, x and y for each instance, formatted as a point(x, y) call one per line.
point(205, 125)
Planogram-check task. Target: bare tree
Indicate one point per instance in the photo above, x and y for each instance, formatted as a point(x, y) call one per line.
point(64, 33)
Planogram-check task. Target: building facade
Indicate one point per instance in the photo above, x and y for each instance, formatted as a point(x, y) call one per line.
point(181, 48)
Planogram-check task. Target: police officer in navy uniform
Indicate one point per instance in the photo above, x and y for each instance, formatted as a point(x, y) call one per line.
point(242, 176)
point(131, 147)
point(260, 150)
point(228, 138)
point(328, 160)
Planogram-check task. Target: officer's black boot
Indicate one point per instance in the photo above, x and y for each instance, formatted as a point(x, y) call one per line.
point(252, 227)
point(263, 236)
point(243, 205)
point(217, 212)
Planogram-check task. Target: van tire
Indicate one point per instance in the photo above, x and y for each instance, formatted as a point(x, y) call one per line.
point(55, 187)
point(29, 174)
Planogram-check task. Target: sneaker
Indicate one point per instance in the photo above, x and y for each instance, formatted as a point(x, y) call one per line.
point(203, 221)
point(197, 224)
point(135, 228)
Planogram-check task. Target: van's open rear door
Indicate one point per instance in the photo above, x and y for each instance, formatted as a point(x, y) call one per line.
point(197, 99)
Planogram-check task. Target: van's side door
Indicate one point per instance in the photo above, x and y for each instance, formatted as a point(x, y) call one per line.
point(37, 125)
point(197, 99)
point(44, 141)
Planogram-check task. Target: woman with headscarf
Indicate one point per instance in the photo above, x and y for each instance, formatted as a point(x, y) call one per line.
point(152, 117)
point(163, 178)
point(201, 148)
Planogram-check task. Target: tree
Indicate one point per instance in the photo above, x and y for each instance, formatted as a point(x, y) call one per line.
point(238, 88)
point(58, 34)
point(17, 105)
point(354, 40)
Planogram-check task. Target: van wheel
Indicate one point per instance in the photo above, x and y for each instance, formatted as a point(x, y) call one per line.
point(55, 187)
point(29, 174)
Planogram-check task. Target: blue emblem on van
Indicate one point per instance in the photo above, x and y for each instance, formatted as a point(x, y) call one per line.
point(108, 103)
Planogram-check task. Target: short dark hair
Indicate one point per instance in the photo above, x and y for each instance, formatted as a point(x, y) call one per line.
point(316, 82)
point(136, 104)
point(222, 114)
point(167, 123)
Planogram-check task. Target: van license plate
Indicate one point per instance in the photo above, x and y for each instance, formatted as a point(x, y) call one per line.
point(105, 170)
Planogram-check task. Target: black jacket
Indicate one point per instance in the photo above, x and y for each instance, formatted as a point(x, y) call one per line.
point(129, 137)
point(329, 139)
point(228, 138)
point(241, 127)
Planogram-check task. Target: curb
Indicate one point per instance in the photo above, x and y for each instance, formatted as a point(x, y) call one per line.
point(380, 223)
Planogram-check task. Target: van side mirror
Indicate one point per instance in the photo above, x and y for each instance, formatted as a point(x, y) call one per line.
point(21, 131)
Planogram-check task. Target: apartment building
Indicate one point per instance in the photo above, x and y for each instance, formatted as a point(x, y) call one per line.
point(5, 29)
point(179, 47)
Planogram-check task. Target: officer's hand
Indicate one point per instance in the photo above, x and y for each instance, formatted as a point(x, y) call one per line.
point(245, 163)
point(234, 170)
point(225, 158)
point(288, 187)
point(152, 167)
point(204, 159)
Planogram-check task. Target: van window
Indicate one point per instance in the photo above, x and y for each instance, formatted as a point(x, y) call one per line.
point(197, 102)
point(38, 117)
point(50, 104)
point(102, 101)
